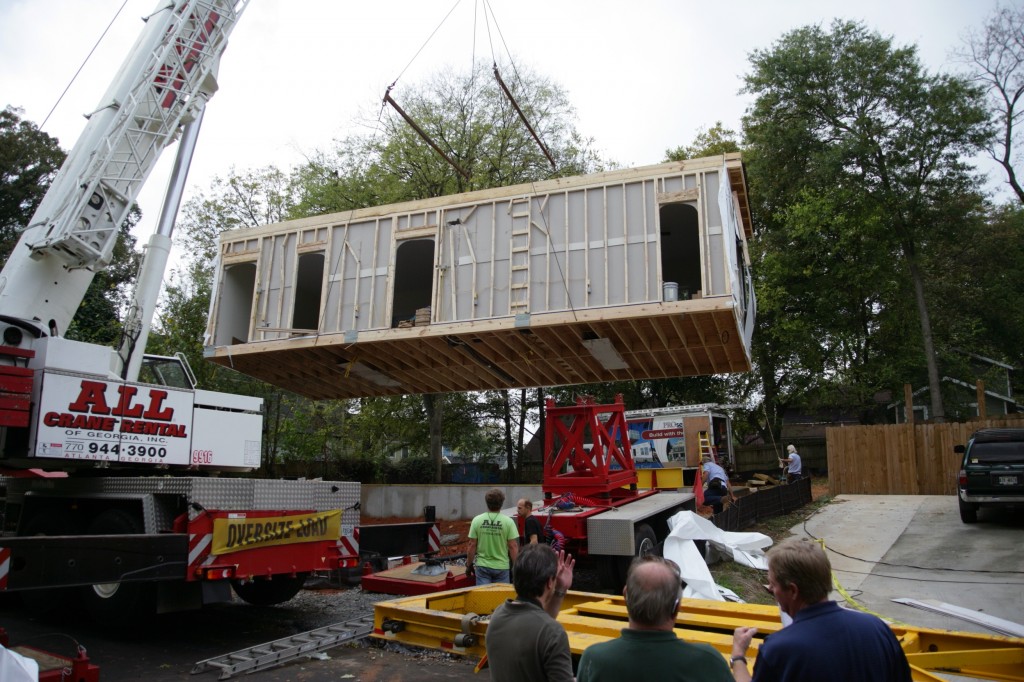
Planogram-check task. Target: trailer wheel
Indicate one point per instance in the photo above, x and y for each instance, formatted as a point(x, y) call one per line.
point(129, 600)
point(644, 540)
point(614, 569)
point(279, 589)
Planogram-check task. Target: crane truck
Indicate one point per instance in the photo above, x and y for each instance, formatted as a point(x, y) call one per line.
point(112, 489)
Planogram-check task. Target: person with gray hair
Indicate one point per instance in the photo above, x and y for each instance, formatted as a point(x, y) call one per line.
point(824, 641)
point(524, 641)
point(794, 465)
point(649, 650)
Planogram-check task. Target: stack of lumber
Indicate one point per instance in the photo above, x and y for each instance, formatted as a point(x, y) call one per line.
point(763, 481)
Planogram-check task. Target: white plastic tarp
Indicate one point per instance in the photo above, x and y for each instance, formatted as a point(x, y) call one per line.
point(744, 548)
point(17, 668)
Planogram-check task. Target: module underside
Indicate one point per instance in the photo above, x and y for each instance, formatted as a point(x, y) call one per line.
point(657, 340)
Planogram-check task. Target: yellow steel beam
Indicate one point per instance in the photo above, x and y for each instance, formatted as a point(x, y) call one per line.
point(456, 621)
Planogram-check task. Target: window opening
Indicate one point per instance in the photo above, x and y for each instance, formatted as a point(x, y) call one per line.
point(235, 307)
point(308, 287)
point(680, 249)
point(414, 280)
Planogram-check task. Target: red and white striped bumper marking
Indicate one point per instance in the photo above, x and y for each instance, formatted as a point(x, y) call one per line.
point(349, 546)
point(197, 546)
point(5, 566)
point(434, 538)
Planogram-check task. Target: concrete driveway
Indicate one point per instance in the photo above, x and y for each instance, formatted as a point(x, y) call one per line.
point(884, 547)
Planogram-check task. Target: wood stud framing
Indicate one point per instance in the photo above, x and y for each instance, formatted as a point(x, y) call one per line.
point(526, 329)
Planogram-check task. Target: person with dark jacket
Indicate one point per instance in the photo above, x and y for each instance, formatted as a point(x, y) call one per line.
point(824, 641)
point(524, 641)
point(530, 529)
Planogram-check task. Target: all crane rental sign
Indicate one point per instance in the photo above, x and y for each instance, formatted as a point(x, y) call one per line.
point(240, 531)
point(91, 419)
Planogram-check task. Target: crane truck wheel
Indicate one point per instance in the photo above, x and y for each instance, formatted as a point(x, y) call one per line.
point(278, 589)
point(51, 522)
point(108, 602)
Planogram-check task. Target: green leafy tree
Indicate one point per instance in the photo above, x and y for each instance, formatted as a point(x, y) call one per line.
point(472, 122)
point(709, 142)
point(854, 151)
point(29, 160)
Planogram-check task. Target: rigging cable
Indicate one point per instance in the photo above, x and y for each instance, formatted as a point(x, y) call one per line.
point(505, 89)
point(533, 184)
point(408, 119)
point(82, 66)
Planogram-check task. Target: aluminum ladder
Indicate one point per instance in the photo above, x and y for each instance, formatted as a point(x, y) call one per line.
point(280, 651)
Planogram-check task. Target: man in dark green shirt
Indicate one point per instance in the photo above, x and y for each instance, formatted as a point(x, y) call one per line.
point(649, 650)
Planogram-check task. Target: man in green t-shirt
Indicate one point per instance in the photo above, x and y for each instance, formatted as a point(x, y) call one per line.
point(493, 542)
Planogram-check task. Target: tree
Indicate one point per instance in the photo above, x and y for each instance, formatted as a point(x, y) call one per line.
point(996, 55)
point(853, 152)
point(29, 160)
point(708, 142)
point(476, 126)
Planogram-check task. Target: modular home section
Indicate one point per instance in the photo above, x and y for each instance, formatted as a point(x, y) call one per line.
point(631, 274)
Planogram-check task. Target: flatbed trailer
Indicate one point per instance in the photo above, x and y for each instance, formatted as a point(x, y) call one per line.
point(456, 621)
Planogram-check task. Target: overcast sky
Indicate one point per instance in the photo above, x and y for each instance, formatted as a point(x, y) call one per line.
point(643, 75)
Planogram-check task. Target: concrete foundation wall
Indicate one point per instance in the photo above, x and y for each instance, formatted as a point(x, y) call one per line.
point(450, 502)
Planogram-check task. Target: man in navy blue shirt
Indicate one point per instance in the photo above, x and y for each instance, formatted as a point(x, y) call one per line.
point(825, 641)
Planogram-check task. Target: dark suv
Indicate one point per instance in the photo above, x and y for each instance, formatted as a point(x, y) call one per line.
point(991, 472)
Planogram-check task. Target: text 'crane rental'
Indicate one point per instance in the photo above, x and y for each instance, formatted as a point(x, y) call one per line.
point(113, 421)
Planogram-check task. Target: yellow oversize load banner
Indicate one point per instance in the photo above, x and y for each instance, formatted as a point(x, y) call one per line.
point(234, 534)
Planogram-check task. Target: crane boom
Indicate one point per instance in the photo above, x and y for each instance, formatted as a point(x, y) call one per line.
point(168, 73)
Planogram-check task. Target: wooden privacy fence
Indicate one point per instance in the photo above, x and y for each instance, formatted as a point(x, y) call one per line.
point(900, 459)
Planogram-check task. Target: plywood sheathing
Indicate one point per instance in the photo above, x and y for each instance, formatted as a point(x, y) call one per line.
point(657, 340)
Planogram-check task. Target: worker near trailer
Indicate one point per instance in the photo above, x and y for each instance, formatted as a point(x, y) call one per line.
point(524, 641)
point(824, 641)
point(795, 465)
point(718, 486)
point(530, 529)
point(493, 542)
point(649, 649)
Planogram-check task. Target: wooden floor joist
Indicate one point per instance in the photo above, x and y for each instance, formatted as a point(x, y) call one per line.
point(680, 338)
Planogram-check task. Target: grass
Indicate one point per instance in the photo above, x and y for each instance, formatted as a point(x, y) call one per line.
point(749, 583)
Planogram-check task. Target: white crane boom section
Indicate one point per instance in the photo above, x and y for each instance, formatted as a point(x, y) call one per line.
point(170, 71)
